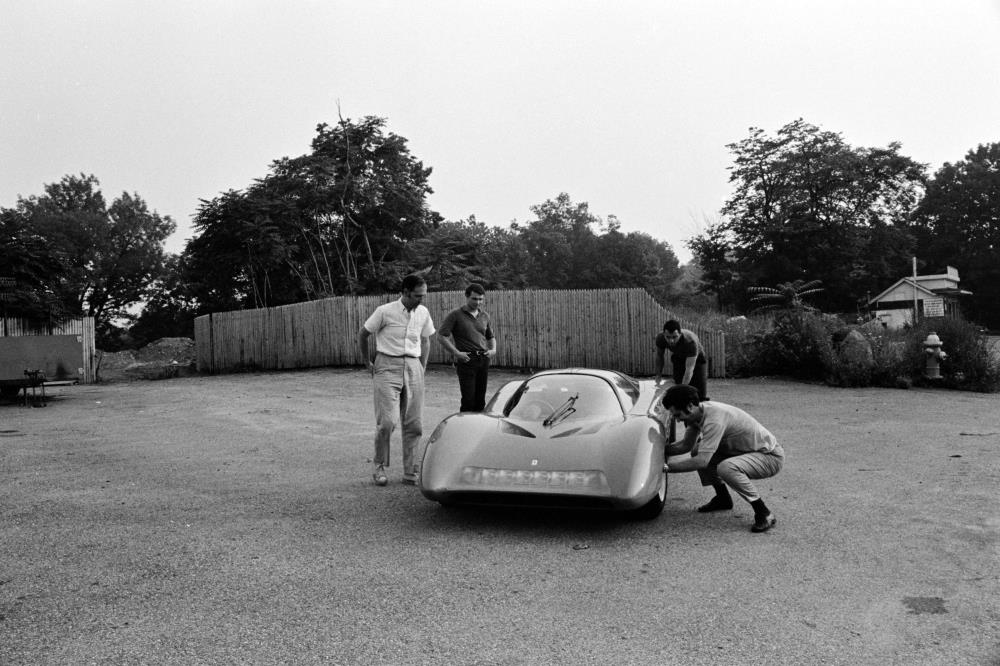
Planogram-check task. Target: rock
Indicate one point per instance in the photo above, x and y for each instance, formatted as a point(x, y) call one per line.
point(856, 350)
point(854, 360)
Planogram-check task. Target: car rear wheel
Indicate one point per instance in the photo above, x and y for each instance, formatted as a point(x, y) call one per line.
point(654, 507)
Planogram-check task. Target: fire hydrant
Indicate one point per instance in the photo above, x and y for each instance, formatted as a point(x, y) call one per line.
point(932, 348)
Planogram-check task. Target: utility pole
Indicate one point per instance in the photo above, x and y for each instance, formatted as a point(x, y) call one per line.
point(914, 291)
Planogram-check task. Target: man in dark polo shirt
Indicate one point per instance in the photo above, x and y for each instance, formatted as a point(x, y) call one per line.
point(687, 356)
point(467, 334)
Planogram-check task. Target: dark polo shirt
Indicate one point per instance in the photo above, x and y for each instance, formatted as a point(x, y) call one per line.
point(689, 345)
point(471, 333)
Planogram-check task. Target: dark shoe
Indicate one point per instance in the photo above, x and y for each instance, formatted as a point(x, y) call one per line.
point(410, 478)
point(379, 477)
point(716, 504)
point(764, 523)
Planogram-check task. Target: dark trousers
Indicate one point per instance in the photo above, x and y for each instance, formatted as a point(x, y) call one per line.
point(699, 378)
point(472, 378)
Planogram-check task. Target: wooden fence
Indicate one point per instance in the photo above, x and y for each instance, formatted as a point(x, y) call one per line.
point(608, 328)
point(83, 328)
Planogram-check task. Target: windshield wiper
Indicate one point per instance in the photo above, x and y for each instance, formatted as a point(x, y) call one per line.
point(563, 411)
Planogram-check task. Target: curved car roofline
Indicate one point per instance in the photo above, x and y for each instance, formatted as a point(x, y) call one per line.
point(597, 372)
point(593, 372)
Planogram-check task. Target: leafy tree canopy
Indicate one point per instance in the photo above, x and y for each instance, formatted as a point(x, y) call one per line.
point(337, 220)
point(456, 253)
point(568, 247)
point(76, 255)
point(958, 224)
point(170, 310)
point(806, 205)
point(28, 264)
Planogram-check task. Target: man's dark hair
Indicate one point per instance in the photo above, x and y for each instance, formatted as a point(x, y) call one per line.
point(475, 287)
point(412, 281)
point(672, 325)
point(680, 396)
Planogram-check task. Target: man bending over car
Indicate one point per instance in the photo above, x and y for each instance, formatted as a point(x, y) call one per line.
point(728, 448)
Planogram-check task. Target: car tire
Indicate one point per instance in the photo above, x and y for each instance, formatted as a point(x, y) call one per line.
point(654, 507)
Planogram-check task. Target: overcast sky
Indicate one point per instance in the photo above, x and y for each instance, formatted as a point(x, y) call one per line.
point(625, 105)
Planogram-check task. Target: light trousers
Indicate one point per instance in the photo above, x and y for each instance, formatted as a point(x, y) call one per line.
point(737, 471)
point(399, 400)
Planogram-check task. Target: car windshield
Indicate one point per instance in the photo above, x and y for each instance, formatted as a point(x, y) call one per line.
point(553, 399)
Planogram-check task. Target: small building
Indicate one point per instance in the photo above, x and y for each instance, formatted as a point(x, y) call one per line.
point(931, 295)
point(33, 353)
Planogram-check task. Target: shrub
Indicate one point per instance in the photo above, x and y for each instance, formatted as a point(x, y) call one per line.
point(803, 343)
point(742, 335)
point(899, 360)
point(892, 367)
point(795, 343)
point(809, 345)
point(971, 365)
point(853, 360)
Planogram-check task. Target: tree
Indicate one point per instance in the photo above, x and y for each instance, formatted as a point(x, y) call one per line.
point(104, 258)
point(29, 262)
point(237, 259)
point(170, 310)
point(568, 247)
point(457, 253)
point(958, 224)
point(786, 296)
point(559, 244)
point(634, 259)
point(338, 220)
point(689, 292)
point(806, 204)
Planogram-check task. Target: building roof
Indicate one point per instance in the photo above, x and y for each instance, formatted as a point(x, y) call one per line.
point(923, 291)
point(951, 277)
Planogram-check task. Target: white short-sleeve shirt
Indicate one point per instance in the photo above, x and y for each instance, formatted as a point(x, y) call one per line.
point(398, 330)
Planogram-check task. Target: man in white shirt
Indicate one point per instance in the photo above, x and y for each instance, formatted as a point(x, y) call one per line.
point(402, 331)
point(728, 447)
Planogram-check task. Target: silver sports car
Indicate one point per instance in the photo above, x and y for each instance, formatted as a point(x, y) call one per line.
point(570, 438)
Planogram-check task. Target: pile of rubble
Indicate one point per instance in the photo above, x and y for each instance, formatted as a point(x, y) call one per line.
point(162, 359)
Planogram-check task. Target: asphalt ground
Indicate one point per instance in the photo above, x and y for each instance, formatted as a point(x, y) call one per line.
point(231, 520)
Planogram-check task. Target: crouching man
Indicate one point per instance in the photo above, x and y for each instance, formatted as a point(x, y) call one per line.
point(728, 448)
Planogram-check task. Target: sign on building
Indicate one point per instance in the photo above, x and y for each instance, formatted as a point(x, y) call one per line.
point(933, 307)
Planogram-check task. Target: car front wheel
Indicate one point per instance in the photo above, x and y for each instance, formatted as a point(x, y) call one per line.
point(654, 507)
